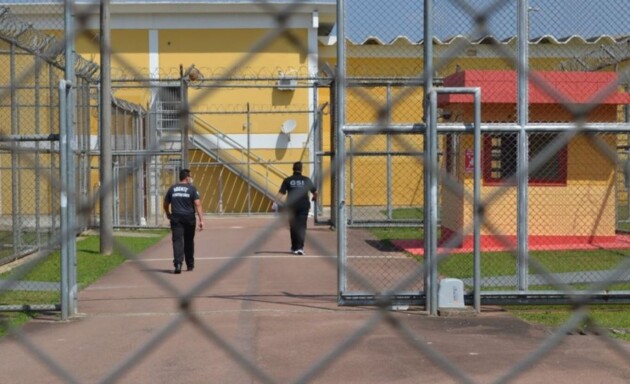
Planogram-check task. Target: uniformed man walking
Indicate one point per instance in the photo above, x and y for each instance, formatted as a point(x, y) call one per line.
point(297, 187)
point(181, 202)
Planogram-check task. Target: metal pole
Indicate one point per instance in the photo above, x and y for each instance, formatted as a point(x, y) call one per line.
point(140, 183)
point(185, 113)
point(249, 158)
point(15, 196)
point(185, 118)
point(477, 204)
point(333, 172)
point(51, 123)
point(350, 162)
point(65, 230)
point(121, 163)
point(429, 278)
point(340, 176)
point(116, 193)
point(317, 163)
point(626, 115)
point(523, 147)
point(106, 195)
point(38, 213)
point(476, 92)
point(71, 153)
point(430, 227)
point(388, 137)
point(84, 147)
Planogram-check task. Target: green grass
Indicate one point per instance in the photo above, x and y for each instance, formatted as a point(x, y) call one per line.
point(406, 213)
point(614, 318)
point(26, 238)
point(623, 218)
point(504, 263)
point(391, 233)
point(91, 265)
point(385, 234)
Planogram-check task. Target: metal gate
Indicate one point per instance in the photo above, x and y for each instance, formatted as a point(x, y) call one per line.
point(537, 197)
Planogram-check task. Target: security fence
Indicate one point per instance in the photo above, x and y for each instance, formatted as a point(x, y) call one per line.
point(548, 198)
point(482, 147)
point(31, 192)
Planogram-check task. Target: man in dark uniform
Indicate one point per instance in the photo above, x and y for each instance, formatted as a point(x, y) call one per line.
point(180, 204)
point(297, 187)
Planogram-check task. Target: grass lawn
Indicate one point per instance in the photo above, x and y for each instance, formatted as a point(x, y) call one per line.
point(613, 317)
point(91, 265)
point(504, 263)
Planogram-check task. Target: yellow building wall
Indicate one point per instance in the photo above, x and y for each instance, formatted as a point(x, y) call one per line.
point(364, 105)
point(584, 207)
point(36, 100)
point(324, 96)
point(215, 55)
point(209, 49)
point(23, 194)
point(129, 59)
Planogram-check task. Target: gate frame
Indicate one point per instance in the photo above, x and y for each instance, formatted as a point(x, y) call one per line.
point(431, 252)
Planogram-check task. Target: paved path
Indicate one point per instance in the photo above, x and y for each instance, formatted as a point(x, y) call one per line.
point(271, 316)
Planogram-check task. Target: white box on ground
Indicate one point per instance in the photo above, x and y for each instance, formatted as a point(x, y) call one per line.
point(451, 293)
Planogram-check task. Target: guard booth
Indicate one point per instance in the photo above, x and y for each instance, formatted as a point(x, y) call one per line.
point(571, 197)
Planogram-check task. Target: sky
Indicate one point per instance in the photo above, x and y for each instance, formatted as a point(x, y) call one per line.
point(388, 19)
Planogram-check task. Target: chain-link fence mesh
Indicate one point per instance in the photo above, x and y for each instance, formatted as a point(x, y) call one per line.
point(479, 49)
point(554, 174)
point(29, 156)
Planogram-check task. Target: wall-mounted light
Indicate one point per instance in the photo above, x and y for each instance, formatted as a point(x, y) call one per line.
point(287, 81)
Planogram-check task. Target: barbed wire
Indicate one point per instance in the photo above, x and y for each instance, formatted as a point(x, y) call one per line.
point(48, 47)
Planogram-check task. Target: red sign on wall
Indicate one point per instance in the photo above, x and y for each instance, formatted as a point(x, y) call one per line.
point(469, 161)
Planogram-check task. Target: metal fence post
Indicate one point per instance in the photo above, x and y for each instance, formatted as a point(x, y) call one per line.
point(65, 212)
point(522, 152)
point(70, 147)
point(429, 244)
point(15, 196)
point(106, 196)
point(340, 158)
point(477, 204)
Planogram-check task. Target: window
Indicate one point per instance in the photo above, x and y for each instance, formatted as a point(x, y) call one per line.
point(500, 159)
point(169, 108)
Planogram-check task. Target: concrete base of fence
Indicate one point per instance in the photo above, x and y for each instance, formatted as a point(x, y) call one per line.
point(457, 312)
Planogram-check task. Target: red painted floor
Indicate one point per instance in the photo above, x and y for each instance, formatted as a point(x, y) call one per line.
point(536, 243)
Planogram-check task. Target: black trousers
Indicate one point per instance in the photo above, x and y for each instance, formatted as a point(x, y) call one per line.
point(183, 236)
point(297, 227)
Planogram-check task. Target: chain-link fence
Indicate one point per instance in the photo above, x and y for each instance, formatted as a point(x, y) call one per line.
point(515, 183)
point(541, 116)
point(31, 193)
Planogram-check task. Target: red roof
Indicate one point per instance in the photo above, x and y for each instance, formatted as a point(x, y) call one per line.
point(500, 87)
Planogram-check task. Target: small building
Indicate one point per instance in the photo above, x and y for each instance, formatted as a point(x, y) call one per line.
point(571, 196)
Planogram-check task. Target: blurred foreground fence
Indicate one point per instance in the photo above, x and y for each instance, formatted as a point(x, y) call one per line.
point(477, 140)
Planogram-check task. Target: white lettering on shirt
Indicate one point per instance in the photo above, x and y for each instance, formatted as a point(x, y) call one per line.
point(297, 183)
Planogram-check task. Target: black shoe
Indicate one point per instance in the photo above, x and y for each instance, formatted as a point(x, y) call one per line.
point(190, 268)
point(178, 269)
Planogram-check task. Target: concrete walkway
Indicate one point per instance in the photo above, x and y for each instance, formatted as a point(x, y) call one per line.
point(264, 315)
